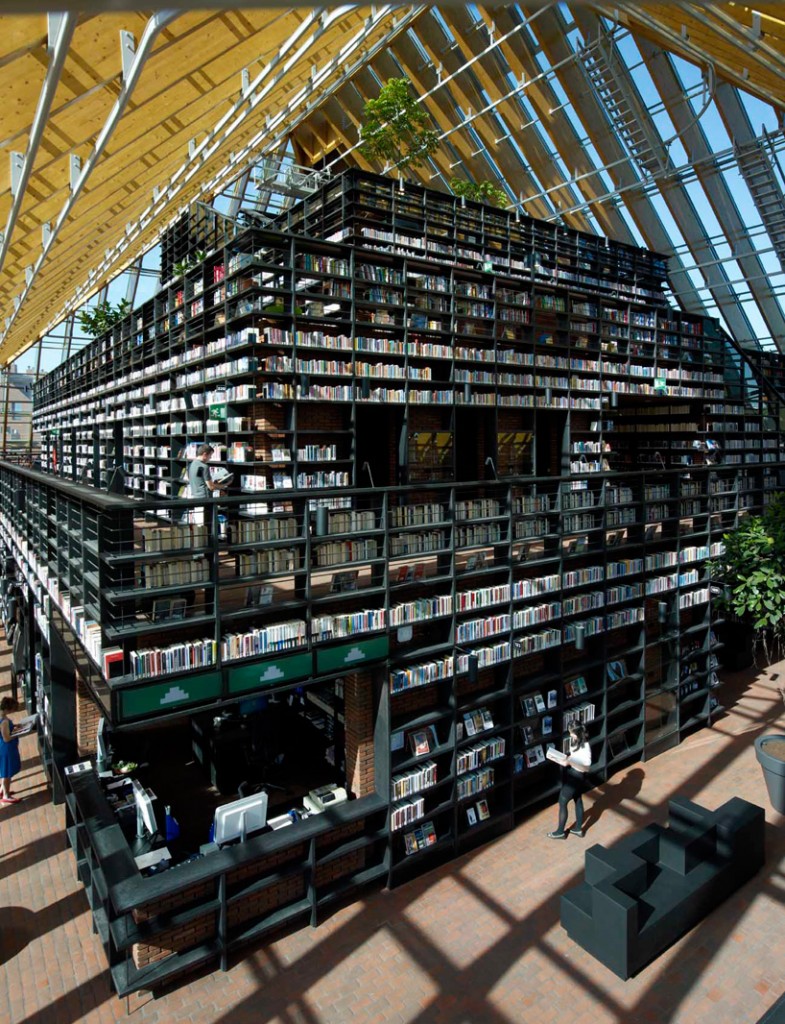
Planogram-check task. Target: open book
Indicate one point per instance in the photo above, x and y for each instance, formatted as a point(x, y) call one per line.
point(556, 755)
point(221, 475)
point(25, 725)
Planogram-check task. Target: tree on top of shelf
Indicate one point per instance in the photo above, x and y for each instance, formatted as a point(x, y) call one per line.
point(752, 573)
point(396, 132)
point(480, 191)
point(102, 317)
point(395, 127)
point(189, 263)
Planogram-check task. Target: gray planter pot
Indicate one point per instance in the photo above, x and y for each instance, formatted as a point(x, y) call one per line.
point(773, 768)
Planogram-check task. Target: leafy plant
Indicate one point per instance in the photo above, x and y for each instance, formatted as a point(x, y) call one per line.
point(189, 263)
point(751, 571)
point(102, 317)
point(396, 128)
point(480, 191)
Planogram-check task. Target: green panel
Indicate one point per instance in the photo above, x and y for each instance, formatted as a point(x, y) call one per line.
point(218, 411)
point(268, 673)
point(361, 652)
point(158, 698)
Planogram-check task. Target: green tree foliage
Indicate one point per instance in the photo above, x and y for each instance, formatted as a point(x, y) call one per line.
point(752, 573)
point(395, 128)
point(102, 317)
point(480, 191)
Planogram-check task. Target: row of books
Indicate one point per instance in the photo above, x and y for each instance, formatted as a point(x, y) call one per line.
point(259, 563)
point(580, 714)
point(174, 538)
point(416, 543)
point(251, 531)
point(474, 782)
point(334, 551)
point(414, 780)
point(407, 812)
point(174, 573)
point(179, 657)
point(281, 636)
point(480, 753)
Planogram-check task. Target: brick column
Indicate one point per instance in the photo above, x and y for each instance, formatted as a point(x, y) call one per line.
point(359, 723)
point(87, 714)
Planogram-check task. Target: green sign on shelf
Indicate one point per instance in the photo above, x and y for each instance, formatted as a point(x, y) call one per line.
point(218, 411)
point(660, 384)
point(158, 698)
point(361, 652)
point(268, 673)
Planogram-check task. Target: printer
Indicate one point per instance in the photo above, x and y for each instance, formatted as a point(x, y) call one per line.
point(318, 800)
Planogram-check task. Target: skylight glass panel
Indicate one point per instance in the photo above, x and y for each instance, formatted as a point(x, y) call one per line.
point(762, 115)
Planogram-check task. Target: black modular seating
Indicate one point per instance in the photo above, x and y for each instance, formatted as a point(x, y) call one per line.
point(653, 886)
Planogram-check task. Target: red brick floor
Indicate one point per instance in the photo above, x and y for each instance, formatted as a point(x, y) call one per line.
point(475, 942)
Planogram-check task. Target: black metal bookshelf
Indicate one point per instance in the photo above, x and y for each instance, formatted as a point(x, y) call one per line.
point(478, 455)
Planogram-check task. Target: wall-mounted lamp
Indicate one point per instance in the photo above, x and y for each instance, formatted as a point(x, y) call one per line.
point(580, 636)
point(548, 396)
point(614, 400)
point(304, 382)
point(473, 663)
point(365, 387)
point(467, 392)
point(662, 612)
point(321, 521)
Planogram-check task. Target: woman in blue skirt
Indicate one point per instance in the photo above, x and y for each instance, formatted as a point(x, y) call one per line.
point(10, 761)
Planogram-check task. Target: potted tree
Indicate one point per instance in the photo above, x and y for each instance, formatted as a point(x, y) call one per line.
point(396, 128)
point(751, 573)
point(751, 570)
point(395, 131)
point(770, 751)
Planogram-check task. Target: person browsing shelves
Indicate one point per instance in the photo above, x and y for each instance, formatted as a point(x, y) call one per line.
point(10, 762)
point(574, 782)
point(199, 478)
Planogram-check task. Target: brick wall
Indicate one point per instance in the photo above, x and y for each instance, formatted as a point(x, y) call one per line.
point(176, 940)
point(279, 893)
point(88, 711)
point(359, 711)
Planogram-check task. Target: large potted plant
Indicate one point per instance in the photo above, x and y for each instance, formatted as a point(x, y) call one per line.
point(751, 570)
point(770, 751)
point(751, 573)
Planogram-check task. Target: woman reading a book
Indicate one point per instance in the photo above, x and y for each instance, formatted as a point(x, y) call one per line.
point(574, 782)
point(10, 762)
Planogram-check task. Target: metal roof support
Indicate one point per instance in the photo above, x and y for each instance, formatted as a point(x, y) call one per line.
point(63, 25)
point(154, 26)
point(237, 161)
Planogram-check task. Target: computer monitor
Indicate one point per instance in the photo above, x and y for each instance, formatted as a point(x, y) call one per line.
point(103, 753)
point(146, 824)
point(237, 819)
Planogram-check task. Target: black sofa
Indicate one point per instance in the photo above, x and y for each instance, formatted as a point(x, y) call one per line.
point(653, 886)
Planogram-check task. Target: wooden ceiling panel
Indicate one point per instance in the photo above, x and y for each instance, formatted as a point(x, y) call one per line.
point(193, 77)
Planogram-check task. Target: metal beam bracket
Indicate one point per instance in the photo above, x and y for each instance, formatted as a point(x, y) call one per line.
point(127, 52)
point(76, 170)
point(54, 22)
point(17, 166)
